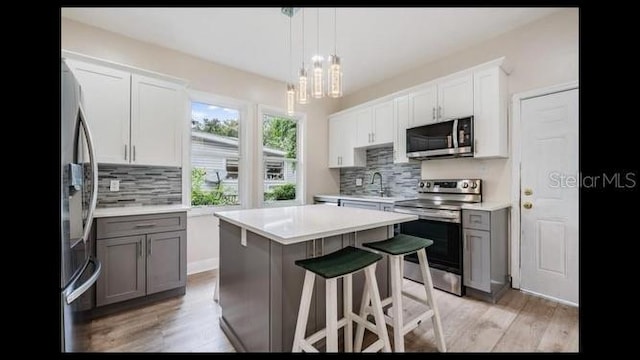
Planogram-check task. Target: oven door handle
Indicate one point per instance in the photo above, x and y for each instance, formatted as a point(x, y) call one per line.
point(439, 216)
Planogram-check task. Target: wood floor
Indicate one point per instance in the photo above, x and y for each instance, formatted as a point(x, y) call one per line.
point(517, 323)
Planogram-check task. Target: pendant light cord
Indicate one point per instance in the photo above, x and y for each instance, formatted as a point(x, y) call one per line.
point(335, 31)
point(318, 35)
point(290, 47)
point(303, 38)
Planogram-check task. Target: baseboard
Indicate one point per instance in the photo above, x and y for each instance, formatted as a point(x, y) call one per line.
point(561, 301)
point(202, 265)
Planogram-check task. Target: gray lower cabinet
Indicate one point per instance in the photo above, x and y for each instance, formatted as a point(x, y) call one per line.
point(139, 256)
point(123, 264)
point(485, 261)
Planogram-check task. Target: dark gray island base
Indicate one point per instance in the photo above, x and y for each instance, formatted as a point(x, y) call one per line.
point(260, 286)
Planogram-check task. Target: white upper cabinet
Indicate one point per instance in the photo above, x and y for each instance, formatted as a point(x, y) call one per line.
point(490, 98)
point(157, 117)
point(400, 124)
point(375, 124)
point(383, 123)
point(423, 106)
point(106, 97)
point(342, 140)
point(455, 97)
point(134, 119)
point(441, 100)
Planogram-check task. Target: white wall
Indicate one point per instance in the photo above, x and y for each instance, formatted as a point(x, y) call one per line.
point(202, 75)
point(541, 53)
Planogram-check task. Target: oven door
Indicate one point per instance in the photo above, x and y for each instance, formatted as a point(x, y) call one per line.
point(445, 253)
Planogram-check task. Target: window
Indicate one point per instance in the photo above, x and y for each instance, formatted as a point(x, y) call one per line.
point(280, 149)
point(215, 141)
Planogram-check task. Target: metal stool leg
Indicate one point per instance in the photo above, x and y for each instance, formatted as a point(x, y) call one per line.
point(428, 287)
point(303, 312)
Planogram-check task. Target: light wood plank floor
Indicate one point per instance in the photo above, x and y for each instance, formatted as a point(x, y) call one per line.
point(517, 323)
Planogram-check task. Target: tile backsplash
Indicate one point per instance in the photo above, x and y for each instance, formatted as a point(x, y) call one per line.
point(397, 179)
point(139, 185)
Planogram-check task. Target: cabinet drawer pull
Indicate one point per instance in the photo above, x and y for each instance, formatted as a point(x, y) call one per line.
point(145, 225)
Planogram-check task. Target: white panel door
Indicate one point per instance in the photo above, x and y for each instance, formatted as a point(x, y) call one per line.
point(106, 97)
point(455, 98)
point(383, 123)
point(549, 239)
point(157, 118)
point(423, 107)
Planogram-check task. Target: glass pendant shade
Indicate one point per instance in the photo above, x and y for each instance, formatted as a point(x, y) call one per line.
point(334, 77)
point(303, 88)
point(317, 86)
point(291, 99)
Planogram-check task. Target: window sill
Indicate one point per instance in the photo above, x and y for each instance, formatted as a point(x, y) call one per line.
point(282, 203)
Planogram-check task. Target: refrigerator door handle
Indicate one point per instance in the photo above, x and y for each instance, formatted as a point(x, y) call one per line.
point(71, 296)
point(94, 175)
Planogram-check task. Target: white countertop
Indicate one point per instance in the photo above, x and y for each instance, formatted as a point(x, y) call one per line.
point(487, 205)
point(293, 224)
point(378, 199)
point(138, 210)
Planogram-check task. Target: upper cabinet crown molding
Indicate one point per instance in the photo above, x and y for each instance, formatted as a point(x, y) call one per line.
point(72, 55)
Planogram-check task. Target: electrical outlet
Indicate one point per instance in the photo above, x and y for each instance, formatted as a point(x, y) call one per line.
point(114, 185)
point(359, 182)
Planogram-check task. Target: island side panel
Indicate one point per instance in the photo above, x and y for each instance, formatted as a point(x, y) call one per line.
point(244, 286)
point(382, 267)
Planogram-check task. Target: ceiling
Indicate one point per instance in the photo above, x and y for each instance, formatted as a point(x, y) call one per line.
point(374, 43)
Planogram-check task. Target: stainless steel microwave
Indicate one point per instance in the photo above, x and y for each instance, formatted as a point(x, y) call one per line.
point(446, 139)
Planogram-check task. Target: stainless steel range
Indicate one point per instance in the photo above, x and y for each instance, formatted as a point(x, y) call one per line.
point(439, 207)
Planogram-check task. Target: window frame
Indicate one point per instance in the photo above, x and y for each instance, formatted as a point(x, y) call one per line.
point(244, 140)
point(301, 172)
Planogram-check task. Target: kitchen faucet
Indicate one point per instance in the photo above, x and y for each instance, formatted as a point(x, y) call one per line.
point(373, 178)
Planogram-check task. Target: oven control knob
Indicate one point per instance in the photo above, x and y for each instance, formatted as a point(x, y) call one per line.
point(465, 185)
point(474, 185)
point(421, 184)
point(428, 184)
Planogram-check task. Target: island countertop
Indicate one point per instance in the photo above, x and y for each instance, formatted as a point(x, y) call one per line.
point(293, 224)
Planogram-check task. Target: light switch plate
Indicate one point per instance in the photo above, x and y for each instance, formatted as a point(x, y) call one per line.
point(359, 182)
point(114, 185)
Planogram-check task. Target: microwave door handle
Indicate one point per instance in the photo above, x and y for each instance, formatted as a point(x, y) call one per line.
point(94, 174)
point(455, 134)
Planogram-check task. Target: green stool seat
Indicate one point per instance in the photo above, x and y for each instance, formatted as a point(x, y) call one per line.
point(338, 263)
point(400, 244)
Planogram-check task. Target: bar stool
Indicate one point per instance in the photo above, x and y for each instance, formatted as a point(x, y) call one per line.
point(340, 264)
point(396, 248)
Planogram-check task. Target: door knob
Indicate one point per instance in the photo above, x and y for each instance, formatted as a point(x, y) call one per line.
point(527, 205)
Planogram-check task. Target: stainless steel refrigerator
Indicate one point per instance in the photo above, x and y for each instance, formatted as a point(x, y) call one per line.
point(79, 269)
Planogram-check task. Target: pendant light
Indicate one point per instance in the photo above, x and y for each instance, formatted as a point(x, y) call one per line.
point(291, 90)
point(303, 88)
point(317, 86)
point(334, 74)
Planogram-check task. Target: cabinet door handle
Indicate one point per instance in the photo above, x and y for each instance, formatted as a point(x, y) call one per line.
point(475, 146)
point(134, 153)
point(373, 137)
point(145, 225)
point(466, 243)
point(139, 245)
point(149, 247)
point(125, 151)
point(433, 112)
point(439, 112)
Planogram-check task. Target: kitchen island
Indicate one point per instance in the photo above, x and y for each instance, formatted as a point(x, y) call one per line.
point(260, 286)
